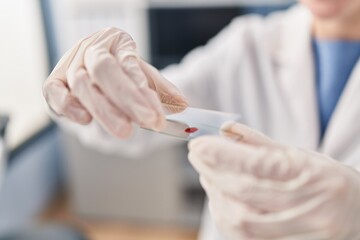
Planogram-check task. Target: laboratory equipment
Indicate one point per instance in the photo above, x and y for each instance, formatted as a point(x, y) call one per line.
point(3, 154)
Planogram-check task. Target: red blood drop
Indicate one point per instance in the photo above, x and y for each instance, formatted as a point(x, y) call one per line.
point(191, 130)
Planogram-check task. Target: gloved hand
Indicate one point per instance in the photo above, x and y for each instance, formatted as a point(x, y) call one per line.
point(103, 77)
point(259, 189)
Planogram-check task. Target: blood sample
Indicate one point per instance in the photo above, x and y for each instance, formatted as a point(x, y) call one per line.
point(191, 130)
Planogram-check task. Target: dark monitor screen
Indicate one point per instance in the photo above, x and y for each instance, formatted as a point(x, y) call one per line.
point(176, 31)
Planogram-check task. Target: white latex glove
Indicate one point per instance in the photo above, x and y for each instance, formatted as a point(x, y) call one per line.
point(259, 189)
point(102, 77)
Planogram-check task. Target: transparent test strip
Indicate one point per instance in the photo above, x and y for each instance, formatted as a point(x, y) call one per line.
point(195, 122)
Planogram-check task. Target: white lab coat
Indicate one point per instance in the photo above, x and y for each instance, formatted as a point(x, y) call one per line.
point(263, 69)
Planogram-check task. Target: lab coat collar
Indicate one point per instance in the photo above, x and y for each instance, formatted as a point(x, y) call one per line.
point(344, 126)
point(296, 75)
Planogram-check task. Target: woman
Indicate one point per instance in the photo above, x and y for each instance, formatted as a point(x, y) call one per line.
point(294, 75)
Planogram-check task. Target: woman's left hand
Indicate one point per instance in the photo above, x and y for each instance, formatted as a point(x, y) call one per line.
point(259, 189)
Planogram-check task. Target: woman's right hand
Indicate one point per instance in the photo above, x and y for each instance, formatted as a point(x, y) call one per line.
point(103, 78)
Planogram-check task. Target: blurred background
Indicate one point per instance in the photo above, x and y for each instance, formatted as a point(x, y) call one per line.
point(54, 187)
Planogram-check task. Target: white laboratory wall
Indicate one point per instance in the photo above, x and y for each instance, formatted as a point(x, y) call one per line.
point(77, 19)
point(23, 67)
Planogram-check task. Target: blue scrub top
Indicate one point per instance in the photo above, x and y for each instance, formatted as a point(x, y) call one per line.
point(334, 62)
